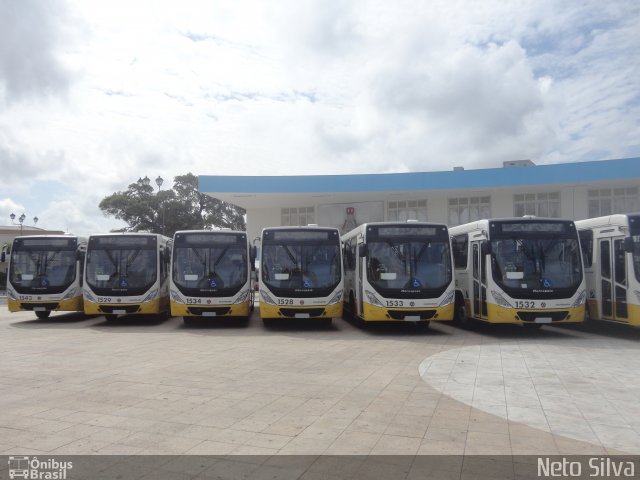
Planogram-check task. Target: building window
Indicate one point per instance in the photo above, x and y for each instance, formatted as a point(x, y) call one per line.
point(297, 216)
point(538, 204)
point(607, 201)
point(463, 210)
point(404, 210)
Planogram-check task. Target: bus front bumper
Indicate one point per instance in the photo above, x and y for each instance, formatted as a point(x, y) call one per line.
point(522, 316)
point(155, 306)
point(315, 311)
point(374, 313)
point(70, 305)
point(231, 310)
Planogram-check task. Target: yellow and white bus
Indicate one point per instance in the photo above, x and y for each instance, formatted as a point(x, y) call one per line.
point(211, 274)
point(300, 273)
point(526, 271)
point(127, 273)
point(611, 252)
point(45, 274)
point(398, 272)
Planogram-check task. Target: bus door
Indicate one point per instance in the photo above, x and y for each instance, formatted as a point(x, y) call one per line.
point(360, 266)
point(614, 279)
point(479, 303)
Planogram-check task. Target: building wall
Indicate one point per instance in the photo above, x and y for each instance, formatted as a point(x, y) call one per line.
point(574, 204)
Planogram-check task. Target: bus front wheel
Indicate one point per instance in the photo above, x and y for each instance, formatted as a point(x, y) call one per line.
point(460, 316)
point(352, 307)
point(110, 317)
point(42, 314)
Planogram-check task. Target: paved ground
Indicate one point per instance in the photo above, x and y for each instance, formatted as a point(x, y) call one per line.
point(78, 385)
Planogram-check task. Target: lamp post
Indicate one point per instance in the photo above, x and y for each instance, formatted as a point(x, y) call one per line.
point(159, 182)
point(21, 220)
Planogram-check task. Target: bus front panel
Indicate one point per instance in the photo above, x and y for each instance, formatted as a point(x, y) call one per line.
point(122, 276)
point(301, 274)
point(407, 273)
point(44, 275)
point(536, 273)
point(210, 275)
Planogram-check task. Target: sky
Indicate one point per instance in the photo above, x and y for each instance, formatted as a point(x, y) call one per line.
point(95, 94)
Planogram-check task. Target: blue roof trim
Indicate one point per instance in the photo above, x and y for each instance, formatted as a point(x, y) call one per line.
point(621, 169)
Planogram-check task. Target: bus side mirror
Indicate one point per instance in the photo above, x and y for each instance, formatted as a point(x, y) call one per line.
point(485, 248)
point(252, 255)
point(628, 244)
point(3, 257)
point(363, 250)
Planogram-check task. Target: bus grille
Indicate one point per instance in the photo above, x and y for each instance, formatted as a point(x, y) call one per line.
point(203, 310)
point(31, 306)
point(291, 312)
point(401, 314)
point(554, 316)
point(126, 308)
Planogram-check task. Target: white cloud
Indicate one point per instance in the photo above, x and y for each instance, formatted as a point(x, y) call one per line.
point(313, 87)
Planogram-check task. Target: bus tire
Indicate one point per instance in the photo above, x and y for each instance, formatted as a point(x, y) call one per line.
point(587, 315)
point(460, 316)
point(42, 314)
point(267, 322)
point(326, 322)
point(423, 324)
point(110, 317)
point(187, 320)
point(352, 307)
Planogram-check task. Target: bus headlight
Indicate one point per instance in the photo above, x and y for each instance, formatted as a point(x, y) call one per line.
point(264, 296)
point(373, 299)
point(71, 294)
point(151, 296)
point(580, 300)
point(87, 294)
point(11, 294)
point(336, 298)
point(500, 300)
point(176, 297)
point(448, 299)
point(243, 297)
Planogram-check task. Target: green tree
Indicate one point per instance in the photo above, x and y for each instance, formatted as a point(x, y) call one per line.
point(181, 208)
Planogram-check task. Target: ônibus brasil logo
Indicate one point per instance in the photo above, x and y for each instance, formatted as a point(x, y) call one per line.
point(32, 468)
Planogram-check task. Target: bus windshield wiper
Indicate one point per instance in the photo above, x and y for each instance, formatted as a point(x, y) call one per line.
point(215, 264)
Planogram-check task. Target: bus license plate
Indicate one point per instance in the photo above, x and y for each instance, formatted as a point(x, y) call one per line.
point(543, 320)
point(412, 318)
point(39, 309)
point(208, 314)
point(119, 312)
point(302, 315)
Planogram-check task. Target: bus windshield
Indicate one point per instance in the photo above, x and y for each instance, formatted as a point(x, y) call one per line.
point(415, 265)
point(121, 266)
point(210, 268)
point(43, 268)
point(302, 267)
point(523, 263)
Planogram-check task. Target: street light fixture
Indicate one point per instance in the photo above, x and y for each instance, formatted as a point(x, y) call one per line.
point(159, 182)
point(21, 220)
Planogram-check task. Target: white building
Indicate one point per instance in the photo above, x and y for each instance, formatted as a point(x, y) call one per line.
point(570, 190)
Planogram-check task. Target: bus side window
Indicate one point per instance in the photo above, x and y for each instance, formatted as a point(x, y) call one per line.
point(586, 244)
point(460, 246)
